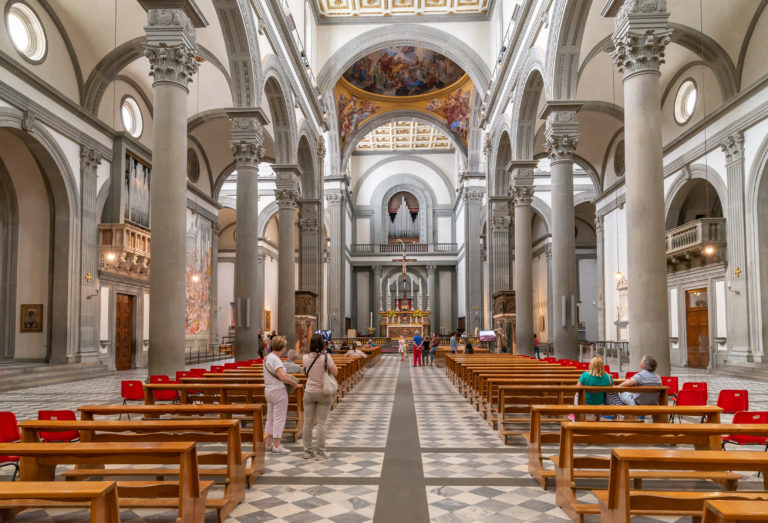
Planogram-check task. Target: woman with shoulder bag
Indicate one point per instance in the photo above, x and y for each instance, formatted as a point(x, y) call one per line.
point(315, 400)
point(276, 385)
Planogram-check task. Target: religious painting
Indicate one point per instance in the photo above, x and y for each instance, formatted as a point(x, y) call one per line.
point(198, 274)
point(137, 173)
point(403, 71)
point(352, 112)
point(454, 109)
point(31, 318)
point(267, 320)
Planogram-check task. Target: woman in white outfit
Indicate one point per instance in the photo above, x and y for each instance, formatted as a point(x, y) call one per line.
point(402, 349)
point(275, 380)
point(316, 364)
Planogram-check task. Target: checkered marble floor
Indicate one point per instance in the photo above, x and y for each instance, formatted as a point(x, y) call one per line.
point(468, 474)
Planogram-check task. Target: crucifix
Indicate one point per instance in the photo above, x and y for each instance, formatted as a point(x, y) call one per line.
point(405, 261)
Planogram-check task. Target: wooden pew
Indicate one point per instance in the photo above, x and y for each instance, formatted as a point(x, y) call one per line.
point(232, 394)
point(569, 468)
point(247, 413)
point(39, 461)
point(100, 496)
point(211, 430)
point(518, 399)
point(491, 390)
point(734, 511)
point(620, 501)
point(543, 414)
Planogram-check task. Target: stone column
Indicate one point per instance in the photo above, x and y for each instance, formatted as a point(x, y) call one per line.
point(641, 33)
point(377, 305)
point(259, 305)
point(287, 194)
point(432, 295)
point(246, 146)
point(337, 207)
point(89, 256)
point(600, 277)
point(561, 140)
point(522, 193)
point(309, 250)
point(216, 233)
point(170, 48)
point(473, 201)
point(737, 278)
point(500, 253)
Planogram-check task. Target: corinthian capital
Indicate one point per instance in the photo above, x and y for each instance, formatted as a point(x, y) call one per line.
point(247, 135)
point(170, 45)
point(89, 160)
point(286, 199)
point(562, 129)
point(500, 223)
point(598, 224)
point(247, 154)
point(320, 150)
point(641, 34)
point(733, 147)
point(335, 198)
point(522, 194)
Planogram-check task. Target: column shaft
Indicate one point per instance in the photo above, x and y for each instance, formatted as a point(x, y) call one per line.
point(473, 199)
point(247, 323)
point(89, 300)
point(524, 270)
point(376, 298)
point(336, 268)
point(600, 277)
point(286, 267)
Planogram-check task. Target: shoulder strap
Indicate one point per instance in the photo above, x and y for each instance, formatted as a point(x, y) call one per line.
point(313, 363)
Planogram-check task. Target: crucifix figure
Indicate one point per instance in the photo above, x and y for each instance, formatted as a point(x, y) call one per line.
point(405, 261)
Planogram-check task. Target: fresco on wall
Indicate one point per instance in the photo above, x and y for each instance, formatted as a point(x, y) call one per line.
point(451, 106)
point(198, 274)
point(403, 71)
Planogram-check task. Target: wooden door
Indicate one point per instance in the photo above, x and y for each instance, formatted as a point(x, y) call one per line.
point(697, 328)
point(124, 332)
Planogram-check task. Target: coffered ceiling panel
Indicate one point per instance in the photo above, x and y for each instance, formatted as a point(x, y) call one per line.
point(404, 136)
point(358, 8)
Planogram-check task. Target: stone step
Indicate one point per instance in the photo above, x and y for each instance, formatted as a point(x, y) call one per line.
point(15, 376)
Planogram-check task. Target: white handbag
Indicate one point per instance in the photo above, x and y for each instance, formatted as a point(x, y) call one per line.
point(330, 385)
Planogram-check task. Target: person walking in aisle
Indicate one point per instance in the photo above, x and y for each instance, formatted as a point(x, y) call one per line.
point(536, 347)
point(402, 348)
point(433, 345)
point(417, 340)
point(275, 381)
point(315, 401)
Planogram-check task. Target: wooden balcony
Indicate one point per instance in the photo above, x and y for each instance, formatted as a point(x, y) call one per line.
point(703, 238)
point(124, 250)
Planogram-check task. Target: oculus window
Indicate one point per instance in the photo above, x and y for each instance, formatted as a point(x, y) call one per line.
point(685, 101)
point(130, 114)
point(26, 32)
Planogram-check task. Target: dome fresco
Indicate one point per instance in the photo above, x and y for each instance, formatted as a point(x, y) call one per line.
point(403, 71)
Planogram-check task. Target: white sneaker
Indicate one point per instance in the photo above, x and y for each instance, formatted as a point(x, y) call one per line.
point(280, 450)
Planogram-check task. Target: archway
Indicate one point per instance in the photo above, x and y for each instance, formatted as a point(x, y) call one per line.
point(281, 120)
point(695, 199)
point(9, 221)
point(762, 252)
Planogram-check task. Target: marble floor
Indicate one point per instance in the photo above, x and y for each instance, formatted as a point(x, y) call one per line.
point(404, 445)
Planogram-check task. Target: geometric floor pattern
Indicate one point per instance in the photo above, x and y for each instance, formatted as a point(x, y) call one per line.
point(468, 474)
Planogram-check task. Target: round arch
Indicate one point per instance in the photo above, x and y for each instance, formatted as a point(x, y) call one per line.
point(388, 188)
point(527, 101)
point(280, 102)
point(499, 182)
point(681, 187)
point(62, 186)
point(311, 177)
point(757, 246)
point(399, 158)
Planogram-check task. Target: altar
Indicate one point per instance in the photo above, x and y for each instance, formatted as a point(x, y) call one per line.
point(395, 332)
point(405, 320)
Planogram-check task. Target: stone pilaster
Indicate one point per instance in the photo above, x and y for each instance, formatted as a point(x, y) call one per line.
point(171, 49)
point(522, 195)
point(500, 251)
point(641, 34)
point(337, 207)
point(562, 138)
point(259, 305)
point(246, 146)
point(738, 306)
point(600, 277)
point(310, 253)
point(89, 255)
point(287, 195)
point(473, 201)
point(432, 296)
point(377, 303)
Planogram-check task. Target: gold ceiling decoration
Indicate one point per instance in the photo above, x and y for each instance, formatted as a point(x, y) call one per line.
point(404, 136)
point(338, 8)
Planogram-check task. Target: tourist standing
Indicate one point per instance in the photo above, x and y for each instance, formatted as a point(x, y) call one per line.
point(454, 343)
point(275, 381)
point(402, 348)
point(316, 363)
point(434, 344)
point(536, 347)
point(417, 340)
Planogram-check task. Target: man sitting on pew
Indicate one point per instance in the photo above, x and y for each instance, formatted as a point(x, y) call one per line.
point(290, 363)
point(646, 376)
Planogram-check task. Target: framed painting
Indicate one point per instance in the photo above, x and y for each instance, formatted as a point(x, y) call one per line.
point(31, 318)
point(267, 320)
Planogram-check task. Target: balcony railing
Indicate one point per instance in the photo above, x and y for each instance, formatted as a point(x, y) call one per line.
point(361, 249)
point(696, 236)
point(124, 249)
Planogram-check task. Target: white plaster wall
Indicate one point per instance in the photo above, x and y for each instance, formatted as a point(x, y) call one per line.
point(362, 314)
point(753, 138)
point(104, 295)
point(460, 226)
point(109, 109)
point(614, 260)
point(146, 316)
point(461, 285)
point(71, 151)
point(225, 295)
point(347, 309)
point(33, 258)
point(270, 288)
point(588, 297)
point(444, 229)
point(363, 230)
point(721, 328)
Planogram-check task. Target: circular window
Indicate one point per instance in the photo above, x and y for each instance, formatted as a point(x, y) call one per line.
point(130, 114)
point(26, 32)
point(193, 166)
point(685, 101)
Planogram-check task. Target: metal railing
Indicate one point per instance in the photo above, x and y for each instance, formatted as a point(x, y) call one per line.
point(696, 235)
point(211, 352)
point(396, 248)
point(611, 351)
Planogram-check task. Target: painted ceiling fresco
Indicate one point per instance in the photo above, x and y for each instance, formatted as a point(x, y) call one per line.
point(403, 71)
point(450, 105)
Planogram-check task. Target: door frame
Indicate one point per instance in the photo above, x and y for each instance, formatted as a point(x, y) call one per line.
point(134, 309)
point(118, 285)
point(687, 308)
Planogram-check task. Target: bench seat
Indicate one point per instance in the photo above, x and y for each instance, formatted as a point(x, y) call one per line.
point(101, 496)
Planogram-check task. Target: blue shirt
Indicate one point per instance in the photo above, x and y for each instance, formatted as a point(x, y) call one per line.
point(454, 344)
point(417, 340)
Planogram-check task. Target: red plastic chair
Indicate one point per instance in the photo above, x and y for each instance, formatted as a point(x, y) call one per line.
point(230, 365)
point(745, 439)
point(131, 390)
point(9, 433)
point(672, 383)
point(197, 372)
point(690, 398)
point(732, 401)
point(183, 374)
point(695, 385)
point(607, 368)
point(614, 375)
point(629, 375)
point(582, 366)
point(550, 360)
point(64, 436)
point(217, 368)
point(242, 364)
point(164, 395)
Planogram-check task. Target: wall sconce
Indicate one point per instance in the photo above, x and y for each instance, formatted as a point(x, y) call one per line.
point(619, 275)
point(111, 256)
point(709, 250)
point(195, 278)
